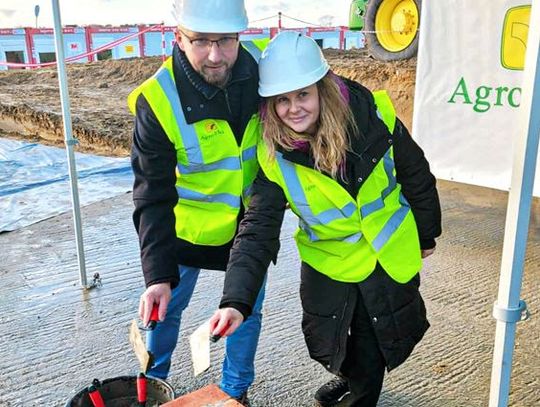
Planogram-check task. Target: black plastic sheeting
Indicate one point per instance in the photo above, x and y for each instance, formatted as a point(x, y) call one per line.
point(34, 181)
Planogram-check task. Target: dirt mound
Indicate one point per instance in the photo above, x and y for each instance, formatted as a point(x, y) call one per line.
point(398, 77)
point(127, 71)
point(30, 105)
point(30, 102)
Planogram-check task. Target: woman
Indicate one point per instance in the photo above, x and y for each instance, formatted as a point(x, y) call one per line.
point(368, 213)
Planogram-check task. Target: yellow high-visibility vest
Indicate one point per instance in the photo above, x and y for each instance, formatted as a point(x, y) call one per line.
point(339, 236)
point(213, 175)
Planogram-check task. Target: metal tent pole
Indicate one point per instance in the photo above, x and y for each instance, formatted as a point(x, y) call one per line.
point(509, 309)
point(163, 46)
point(69, 140)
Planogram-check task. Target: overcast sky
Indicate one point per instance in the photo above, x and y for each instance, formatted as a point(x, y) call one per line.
point(20, 13)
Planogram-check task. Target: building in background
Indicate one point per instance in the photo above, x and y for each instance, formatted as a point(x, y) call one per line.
point(41, 44)
point(102, 37)
point(13, 47)
point(154, 42)
point(33, 46)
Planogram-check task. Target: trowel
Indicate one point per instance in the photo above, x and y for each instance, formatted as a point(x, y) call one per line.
point(199, 342)
point(145, 357)
point(136, 340)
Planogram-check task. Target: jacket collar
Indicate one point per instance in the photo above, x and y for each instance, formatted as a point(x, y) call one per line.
point(200, 100)
point(186, 71)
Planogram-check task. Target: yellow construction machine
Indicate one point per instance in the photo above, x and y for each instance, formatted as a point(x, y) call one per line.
point(390, 26)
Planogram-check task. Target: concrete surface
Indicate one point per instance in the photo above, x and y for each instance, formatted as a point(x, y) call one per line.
point(57, 337)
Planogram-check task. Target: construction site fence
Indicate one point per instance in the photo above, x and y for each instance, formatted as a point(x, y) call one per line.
point(91, 52)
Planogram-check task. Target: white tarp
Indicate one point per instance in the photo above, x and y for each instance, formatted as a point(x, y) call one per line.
point(468, 88)
point(34, 181)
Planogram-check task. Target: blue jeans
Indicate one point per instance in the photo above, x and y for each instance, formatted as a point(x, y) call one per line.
point(238, 366)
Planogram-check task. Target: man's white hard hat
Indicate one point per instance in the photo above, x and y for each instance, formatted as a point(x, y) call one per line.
point(211, 16)
point(291, 61)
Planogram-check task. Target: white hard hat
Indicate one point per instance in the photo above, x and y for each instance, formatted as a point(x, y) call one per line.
point(290, 61)
point(211, 16)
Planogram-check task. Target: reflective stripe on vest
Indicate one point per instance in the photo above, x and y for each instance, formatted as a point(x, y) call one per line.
point(377, 204)
point(228, 199)
point(307, 215)
point(392, 224)
point(255, 47)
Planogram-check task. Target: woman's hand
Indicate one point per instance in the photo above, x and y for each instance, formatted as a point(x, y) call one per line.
point(223, 318)
point(427, 252)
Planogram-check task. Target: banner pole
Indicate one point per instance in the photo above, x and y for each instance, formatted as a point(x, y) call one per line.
point(163, 53)
point(509, 309)
point(69, 140)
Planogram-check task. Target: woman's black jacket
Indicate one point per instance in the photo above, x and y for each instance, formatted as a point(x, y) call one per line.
point(257, 242)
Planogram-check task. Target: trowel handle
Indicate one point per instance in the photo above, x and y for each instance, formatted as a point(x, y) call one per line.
point(141, 389)
point(154, 317)
point(215, 338)
point(95, 396)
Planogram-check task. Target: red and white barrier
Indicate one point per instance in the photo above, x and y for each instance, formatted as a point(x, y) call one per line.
point(86, 54)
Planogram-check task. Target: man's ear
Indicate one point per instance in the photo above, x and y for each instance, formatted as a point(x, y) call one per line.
point(178, 38)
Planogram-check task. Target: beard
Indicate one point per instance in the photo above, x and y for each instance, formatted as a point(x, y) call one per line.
point(219, 79)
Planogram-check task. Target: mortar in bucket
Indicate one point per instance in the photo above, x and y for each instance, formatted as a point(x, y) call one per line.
point(122, 392)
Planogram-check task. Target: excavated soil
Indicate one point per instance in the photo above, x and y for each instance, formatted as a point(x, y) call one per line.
point(30, 106)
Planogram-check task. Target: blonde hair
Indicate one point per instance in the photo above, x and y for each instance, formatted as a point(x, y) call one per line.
point(330, 142)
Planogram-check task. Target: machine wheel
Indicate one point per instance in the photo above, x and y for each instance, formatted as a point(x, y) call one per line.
point(392, 28)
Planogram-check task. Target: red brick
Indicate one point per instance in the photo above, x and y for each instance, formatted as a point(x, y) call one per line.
point(208, 396)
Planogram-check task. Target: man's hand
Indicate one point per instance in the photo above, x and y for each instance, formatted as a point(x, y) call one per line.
point(223, 318)
point(155, 294)
point(427, 252)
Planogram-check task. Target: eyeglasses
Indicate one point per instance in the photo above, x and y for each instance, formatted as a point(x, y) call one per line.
point(205, 44)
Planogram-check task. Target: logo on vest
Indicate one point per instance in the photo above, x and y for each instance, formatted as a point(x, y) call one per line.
point(211, 129)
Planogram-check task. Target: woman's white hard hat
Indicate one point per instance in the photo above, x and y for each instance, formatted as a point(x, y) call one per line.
point(211, 16)
point(291, 61)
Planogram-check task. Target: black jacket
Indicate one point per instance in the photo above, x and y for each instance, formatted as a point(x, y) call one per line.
point(257, 241)
point(153, 158)
point(396, 312)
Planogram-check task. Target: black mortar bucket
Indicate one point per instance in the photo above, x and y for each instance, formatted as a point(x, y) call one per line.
point(122, 392)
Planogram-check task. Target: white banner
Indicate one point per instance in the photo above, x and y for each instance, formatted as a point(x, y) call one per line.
point(468, 88)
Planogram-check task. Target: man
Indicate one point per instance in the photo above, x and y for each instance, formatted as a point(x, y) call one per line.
point(194, 160)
